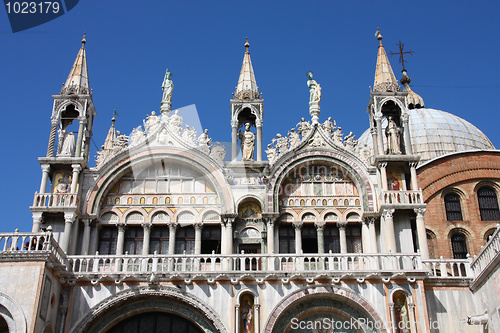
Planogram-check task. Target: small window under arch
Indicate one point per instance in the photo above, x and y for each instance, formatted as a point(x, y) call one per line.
point(453, 207)
point(488, 204)
point(459, 246)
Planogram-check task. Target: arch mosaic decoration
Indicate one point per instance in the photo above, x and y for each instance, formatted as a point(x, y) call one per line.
point(13, 314)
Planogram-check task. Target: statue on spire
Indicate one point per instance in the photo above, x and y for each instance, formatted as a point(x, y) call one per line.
point(314, 89)
point(166, 101)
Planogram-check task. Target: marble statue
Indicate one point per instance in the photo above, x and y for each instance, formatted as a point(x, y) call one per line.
point(294, 138)
point(189, 135)
point(314, 89)
point(176, 122)
point(167, 87)
point(271, 154)
point(304, 128)
point(393, 134)
point(151, 122)
point(337, 136)
point(247, 143)
point(329, 126)
point(349, 141)
point(281, 143)
point(102, 155)
point(68, 147)
point(121, 141)
point(218, 152)
point(204, 142)
point(137, 136)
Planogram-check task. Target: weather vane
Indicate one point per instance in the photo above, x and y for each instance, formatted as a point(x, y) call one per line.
point(401, 53)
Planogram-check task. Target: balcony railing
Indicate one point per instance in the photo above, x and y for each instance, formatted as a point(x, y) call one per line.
point(401, 197)
point(489, 255)
point(55, 200)
point(449, 268)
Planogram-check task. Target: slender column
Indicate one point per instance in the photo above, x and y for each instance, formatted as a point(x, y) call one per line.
point(52, 138)
point(365, 236)
point(197, 237)
point(234, 140)
point(270, 235)
point(223, 240)
point(94, 238)
point(37, 222)
point(69, 218)
point(380, 142)
point(229, 235)
point(320, 227)
point(146, 239)
point(79, 140)
point(120, 242)
point(373, 235)
point(411, 310)
point(86, 236)
point(383, 175)
point(413, 175)
point(257, 317)
point(393, 317)
point(343, 239)
point(406, 134)
point(390, 237)
point(237, 318)
point(258, 125)
point(45, 177)
point(171, 237)
point(422, 234)
point(76, 173)
point(297, 225)
point(373, 132)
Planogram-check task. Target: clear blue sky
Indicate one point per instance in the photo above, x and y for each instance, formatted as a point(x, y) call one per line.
point(130, 44)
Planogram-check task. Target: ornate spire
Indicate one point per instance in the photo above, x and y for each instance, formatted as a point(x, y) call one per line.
point(111, 137)
point(413, 99)
point(247, 86)
point(385, 80)
point(78, 78)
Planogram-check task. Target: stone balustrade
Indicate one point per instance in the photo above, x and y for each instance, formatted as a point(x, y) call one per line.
point(55, 200)
point(401, 197)
point(487, 259)
point(449, 268)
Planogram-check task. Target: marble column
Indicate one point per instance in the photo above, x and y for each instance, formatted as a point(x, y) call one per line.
point(76, 173)
point(383, 174)
point(69, 218)
point(422, 234)
point(78, 150)
point(37, 221)
point(171, 237)
point(86, 236)
point(234, 140)
point(373, 132)
point(343, 239)
point(320, 227)
point(406, 134)
point(147, 236)
point(270, 235)
point(413, 175)
point(120, 242)
point(52, 138)
point(365, 237)
point(373, 235)
point(258, 126)
point(237, 318)
point(45, 178)
point(380, 138)
point(390, 236)
point(297, 225)
point(257, 317)
point(229, 235)
point(223, 239)
point(198, 226)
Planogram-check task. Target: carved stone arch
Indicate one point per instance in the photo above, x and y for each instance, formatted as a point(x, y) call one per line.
point(132, 301)
point(161, 210)
point(326, 215)
point(13, 314)
point(249, 197)
point(349, 215)
point(122, 163)
point(183, 214)
point(400, 290)
point(355, 168)
point(303, 216)
point(252, 109)
point(286, 213)
point(206, 213)
point(109, 212)
point(134, 210)
point(64, 104)
point(380, 104)
point(335, 298)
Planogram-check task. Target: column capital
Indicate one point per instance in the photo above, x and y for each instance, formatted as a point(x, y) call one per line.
point(341, 225)
point(297, 225)
point(173, 225)
point(121, 226)
point(391, 306)
point(198, 225)
point(405, 117)
point(146, 226)
point(76, 167)
point(234, 123)
point(369, 220)
point(82, 120)
point(387, 213)
point(378, 118)
point(69, 217)
point(413, 164)
point(420, 211)
point(45, 167)
point(382, 165)
point(258, 122)
point(373, 130)
point(256, 306)
point(320, 225)
point(86, 222)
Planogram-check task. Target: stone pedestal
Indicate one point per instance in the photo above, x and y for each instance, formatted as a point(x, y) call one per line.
point(166, 108)
point(314, 111)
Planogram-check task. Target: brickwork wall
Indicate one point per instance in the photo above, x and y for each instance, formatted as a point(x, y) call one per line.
point(462, 174)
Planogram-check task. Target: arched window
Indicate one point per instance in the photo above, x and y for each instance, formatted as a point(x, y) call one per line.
point(488, 204)
point(107, 240)
point(459, 246)
point(453, 209)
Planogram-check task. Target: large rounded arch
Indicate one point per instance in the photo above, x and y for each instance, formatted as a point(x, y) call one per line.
point(130, 302)
point(12, 314)
point(348, 163)
point(325, 301)
point(126, 162)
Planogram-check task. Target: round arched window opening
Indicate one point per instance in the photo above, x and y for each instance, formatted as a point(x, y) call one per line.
point(459, 246)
